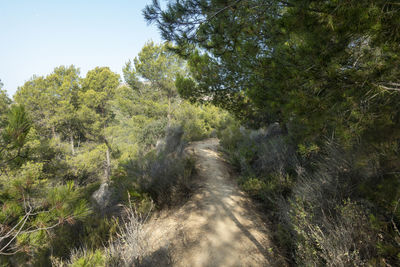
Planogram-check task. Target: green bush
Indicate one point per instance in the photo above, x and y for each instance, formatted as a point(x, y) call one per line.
point(82, 257)
point(254, 186)
point(200, 121)
point(91, 259)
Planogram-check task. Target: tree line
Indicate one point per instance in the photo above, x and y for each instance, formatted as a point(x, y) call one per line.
point(65, 139)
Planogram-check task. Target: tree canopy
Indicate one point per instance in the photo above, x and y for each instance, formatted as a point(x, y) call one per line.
point(323, 65)
point(328, 72)
point(73, 149)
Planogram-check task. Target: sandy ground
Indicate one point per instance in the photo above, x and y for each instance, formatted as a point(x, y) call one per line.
point(218, 226)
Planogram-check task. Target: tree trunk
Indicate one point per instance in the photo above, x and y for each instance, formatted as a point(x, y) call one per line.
point(169, 112)
point(53, 131)
point(71, 138)
point(107, 170)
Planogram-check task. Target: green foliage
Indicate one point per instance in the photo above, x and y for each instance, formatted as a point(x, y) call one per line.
point(254, 186)
point(159, 66)
point(87, 165)
point(130, 76)
point(321, 228)
point(88, 259)
point(53, 101)
point(5, 102)
point(36, 207)
point(13, 137)
point(200, 121)
point(263, 61)
point(348, 241)
point(98, 89)
point(99, 231)
point(328, 72)
point(230, 137)
point(66, 135)
point(152, 131)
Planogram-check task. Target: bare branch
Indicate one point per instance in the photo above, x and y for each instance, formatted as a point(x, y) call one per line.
point(15, 236)
point(18, 229)
point(395, 88)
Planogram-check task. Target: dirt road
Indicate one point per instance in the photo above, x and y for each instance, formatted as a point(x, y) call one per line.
point(219, 225)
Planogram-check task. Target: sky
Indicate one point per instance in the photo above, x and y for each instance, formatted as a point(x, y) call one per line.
point(38, 35)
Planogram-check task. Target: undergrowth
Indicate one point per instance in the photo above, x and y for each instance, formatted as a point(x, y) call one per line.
point(330, 205)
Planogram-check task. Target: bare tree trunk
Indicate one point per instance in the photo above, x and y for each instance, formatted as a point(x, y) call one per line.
point(107, 170)
point(169, 112)
point(71, 138)
point(53, 131)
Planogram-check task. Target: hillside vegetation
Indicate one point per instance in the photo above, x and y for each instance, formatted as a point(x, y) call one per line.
point(303, 95)
point(75, 149)
point(315, 88)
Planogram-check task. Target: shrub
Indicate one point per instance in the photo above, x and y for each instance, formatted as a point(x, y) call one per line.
point(131, 245)
point(163, 174)
point(345, 238)
point(330, 219)
point(331, 204)
point(126, 249)
point(82, 257)
point(230, 137)
point(200, 121)
point(254, 186)
point(85, 166)
point(151, 132)
point(164, 177)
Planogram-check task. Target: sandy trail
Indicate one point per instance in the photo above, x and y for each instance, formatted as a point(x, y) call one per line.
point(218, 226)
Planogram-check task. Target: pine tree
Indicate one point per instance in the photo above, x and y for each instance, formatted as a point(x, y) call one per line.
point(98, 90)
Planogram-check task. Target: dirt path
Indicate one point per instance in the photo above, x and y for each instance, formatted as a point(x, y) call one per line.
point(218, 226)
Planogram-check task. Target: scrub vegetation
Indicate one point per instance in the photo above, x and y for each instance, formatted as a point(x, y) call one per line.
point(315, 88)
point(76, 150)
point(303, 95)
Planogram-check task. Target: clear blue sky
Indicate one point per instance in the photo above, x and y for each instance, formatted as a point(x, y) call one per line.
point(38, 35)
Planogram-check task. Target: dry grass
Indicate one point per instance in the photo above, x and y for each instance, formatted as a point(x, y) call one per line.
point(128, 248)
point(331, 229)
point(131, 244)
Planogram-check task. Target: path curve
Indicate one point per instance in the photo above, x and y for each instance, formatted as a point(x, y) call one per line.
point(219, 225)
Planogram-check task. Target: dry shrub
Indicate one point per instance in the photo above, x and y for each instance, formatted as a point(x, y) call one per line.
point(172, 142)
point(343, 239)
point(166, 178)
point(128, 248)
point(276, 156)
point(331, 230)
point(131, 244)
point(165, 173)
point(259, 152)
point(325, 201)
